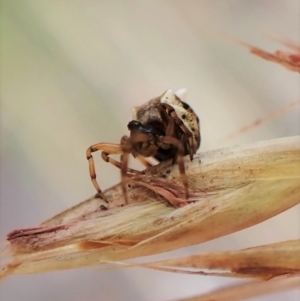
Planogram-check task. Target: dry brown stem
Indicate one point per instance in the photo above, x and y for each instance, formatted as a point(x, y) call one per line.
point(289, 60)
point(233, 188)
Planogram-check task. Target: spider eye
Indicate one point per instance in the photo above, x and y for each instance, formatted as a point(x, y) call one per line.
point(134, 125)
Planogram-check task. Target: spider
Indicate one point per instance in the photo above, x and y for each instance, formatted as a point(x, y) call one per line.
point(164, 128)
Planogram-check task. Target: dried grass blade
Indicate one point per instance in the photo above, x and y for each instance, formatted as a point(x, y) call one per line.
point(265, 262)
point(235, 188)
point(248, 290)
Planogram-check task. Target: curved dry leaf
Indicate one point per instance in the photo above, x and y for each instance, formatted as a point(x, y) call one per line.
point(235, 188)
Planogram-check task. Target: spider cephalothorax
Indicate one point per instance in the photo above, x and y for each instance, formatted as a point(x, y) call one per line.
point(164, 128)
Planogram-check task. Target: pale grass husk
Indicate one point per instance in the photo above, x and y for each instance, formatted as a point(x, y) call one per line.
point(264, 262)
point(234, 188)
point(248, 290)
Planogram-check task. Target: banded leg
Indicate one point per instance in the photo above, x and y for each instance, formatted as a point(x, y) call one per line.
point(107, 148)
point(180, 154)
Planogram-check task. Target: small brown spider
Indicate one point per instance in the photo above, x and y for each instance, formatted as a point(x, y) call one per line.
point(164, 128)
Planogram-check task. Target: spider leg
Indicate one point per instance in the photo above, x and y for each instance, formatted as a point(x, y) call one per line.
point(170, 133)
point(127, 148)
point(105, 156)
point(173, 116)
point(170, 128)
point(108, 148)
point(164, 114)
point(180, 153)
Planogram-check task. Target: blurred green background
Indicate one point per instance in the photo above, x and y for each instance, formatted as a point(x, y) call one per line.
point(71, 71)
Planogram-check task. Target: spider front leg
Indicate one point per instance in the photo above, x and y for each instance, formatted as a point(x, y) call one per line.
point(107, 148)
point(105, 156)
point(127, 147)
point(180, 154)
